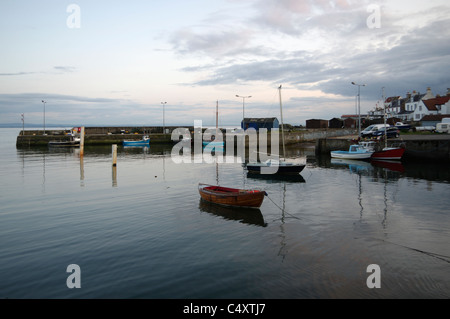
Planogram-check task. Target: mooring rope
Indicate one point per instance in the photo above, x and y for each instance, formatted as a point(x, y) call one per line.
point(283, 210)
point(435, 255)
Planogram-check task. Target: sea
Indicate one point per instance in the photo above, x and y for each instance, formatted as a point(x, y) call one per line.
point(75, 226)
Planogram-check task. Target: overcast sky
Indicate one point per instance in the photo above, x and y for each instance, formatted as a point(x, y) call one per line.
point(114, 62)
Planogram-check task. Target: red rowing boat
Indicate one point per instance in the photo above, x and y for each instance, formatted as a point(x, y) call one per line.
point(251, 198)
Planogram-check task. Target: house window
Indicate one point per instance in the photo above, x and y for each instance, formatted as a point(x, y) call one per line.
point(420, 107)
point(417, 116)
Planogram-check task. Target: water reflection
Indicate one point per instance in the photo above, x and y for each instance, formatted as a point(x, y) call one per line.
point(275, 178)
point(396, 169)
point(418, 170)
point(244, 215)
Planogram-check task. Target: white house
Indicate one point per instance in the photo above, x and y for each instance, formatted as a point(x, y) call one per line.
point(438, 105)
point(415, 106)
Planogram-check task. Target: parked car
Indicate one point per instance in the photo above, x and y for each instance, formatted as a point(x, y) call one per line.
point(390, 132)
point(370, 130)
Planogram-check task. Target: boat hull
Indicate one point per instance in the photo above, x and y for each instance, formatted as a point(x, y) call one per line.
point(356, 152)
point(232, 197)
point(389, 154)
point(142, 142)
point(348, 155)
point(135, 143)
point(281, 169)
point(67, 143)
point(213, 146)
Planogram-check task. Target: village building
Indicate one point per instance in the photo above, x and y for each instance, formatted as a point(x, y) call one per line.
point(257, 123)
point(416, 106)
point(316, 123)
point(335, 123)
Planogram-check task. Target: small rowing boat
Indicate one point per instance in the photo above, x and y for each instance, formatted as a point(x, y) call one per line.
point(251, 198)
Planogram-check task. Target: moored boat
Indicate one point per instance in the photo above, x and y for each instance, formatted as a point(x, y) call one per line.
point(355, 151)
point(251, 198)
point(213, 144)
point(145, 141)
point(389, 153)
point(386, 153)
point(275, 167)
point(279, 165)
point(71, 142)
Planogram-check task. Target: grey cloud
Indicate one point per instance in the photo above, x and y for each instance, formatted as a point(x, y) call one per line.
point(16, 73)
point(64, 69)
point(58, 69)
point(216, 43)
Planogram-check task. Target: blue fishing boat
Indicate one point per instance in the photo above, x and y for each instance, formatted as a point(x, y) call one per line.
point(145, 141)
point(357, 152)
point(217, 145)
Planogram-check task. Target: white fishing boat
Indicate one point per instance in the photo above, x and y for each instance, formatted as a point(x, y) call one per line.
point(72, 141)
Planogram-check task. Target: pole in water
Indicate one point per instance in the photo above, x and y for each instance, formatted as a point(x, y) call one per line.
point(82, 141)
point(114, 155)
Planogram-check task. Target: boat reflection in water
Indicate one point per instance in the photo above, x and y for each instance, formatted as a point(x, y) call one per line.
point(250, 216)
point(366, 167)
point(394, 166)
point(296, 178)
point(355, 166)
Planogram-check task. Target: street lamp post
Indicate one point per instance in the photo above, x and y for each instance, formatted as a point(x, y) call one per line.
point(23, 123)
point(44, 114)
point(243, 107)
point(164, 119)
point(359, 107)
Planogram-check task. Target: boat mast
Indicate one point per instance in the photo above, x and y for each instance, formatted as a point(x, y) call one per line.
point(282, 123)
point(384, 116)
point(217, 118)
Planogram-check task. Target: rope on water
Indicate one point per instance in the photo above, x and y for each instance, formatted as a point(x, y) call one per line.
point(438, 256)
point(283, 210)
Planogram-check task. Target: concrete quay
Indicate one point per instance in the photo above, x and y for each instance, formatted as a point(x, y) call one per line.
point(115, 135)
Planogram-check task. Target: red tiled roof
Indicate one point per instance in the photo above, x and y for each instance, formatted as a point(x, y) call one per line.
point(431, 103)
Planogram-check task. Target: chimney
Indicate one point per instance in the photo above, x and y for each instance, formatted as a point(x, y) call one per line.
point(429, 94)
point(448, 91)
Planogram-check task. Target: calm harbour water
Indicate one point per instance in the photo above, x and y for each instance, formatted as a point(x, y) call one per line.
point(141, 231)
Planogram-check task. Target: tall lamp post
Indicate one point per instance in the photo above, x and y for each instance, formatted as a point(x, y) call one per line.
point(164, 119)
point(23, 123)
point(359, 107)
point(243, 107)
point(44, 114)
